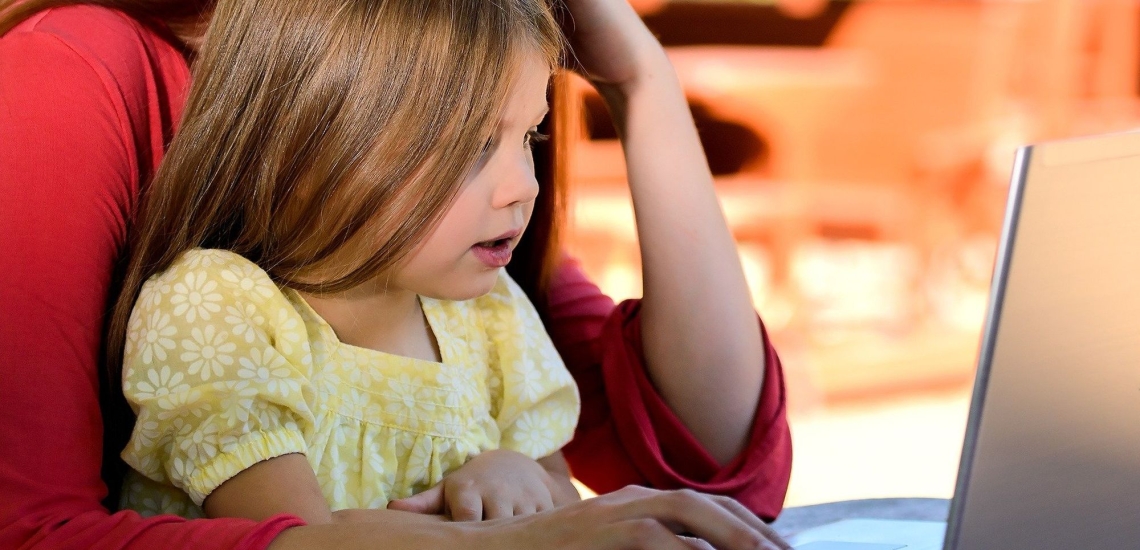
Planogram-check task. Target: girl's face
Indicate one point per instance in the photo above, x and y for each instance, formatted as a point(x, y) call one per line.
point(461, 258)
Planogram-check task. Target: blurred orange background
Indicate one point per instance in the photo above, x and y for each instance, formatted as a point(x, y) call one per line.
point(862, 150)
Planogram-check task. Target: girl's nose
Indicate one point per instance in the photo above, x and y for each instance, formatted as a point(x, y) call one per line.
point(516, 185)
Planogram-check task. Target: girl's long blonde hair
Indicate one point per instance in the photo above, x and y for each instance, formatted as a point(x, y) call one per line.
point(313, 128)
point(324, 140)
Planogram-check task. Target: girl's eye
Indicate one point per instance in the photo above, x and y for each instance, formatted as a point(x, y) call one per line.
point(534, 136)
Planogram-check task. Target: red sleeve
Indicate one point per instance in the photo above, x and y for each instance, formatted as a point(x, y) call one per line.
point(627, 434)
point(68, 178)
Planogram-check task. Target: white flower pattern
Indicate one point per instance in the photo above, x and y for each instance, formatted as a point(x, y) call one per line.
point(195, 297)
point(156, 337)
point(207, 353)
point(160, 383)
point(244, 320)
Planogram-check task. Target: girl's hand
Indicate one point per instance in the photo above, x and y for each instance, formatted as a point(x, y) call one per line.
point(611, 46)
point(496, 484)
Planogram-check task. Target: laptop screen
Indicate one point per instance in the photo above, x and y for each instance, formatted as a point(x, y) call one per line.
point(1052, 453)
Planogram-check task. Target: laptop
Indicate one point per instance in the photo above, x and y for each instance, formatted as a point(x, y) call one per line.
point(1051, 458)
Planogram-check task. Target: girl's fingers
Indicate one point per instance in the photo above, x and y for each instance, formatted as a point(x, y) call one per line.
point(543, 499)
point(496, 508)
point(427, 502)
point(465, 505)
point(525, 509)
point(546, 503)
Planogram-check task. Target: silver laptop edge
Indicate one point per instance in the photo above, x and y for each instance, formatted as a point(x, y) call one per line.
point(989, 335)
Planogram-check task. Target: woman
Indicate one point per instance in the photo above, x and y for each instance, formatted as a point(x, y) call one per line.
point(88, 99)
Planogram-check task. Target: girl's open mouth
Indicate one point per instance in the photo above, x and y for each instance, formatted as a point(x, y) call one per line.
point(494, 243)
point(496, 253)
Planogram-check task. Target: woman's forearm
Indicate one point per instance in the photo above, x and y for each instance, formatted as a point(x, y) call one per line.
point(372, 535)
point(703, 347)
point(382, 515)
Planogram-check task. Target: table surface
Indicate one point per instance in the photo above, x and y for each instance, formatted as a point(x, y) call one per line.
point(794, 520)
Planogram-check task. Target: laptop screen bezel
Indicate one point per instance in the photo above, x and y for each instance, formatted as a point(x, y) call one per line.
point(989, 335)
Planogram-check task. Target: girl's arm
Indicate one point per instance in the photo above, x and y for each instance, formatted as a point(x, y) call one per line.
point(702, 341)
point(287, 485)
point(281, 485)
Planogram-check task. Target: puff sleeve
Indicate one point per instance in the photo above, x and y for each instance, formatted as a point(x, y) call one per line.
point(216, 368)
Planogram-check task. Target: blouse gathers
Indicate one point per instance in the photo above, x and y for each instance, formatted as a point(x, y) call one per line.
point(225, 370)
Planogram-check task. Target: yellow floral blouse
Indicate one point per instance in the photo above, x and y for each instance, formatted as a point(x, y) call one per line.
point(225, 369)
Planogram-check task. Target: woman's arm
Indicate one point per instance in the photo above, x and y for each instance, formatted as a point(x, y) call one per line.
point(632, 518)
point(67, 183)
point(703, 347)
point(628, 434)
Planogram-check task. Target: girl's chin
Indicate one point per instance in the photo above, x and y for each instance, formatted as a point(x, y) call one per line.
point(473, 286)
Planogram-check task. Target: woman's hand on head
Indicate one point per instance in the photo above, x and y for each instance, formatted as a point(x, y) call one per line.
point(611, 46)
point(496, 484)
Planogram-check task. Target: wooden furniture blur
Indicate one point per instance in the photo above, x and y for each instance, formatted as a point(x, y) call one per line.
point(898, 129)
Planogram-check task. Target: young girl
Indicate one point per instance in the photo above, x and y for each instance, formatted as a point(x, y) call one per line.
point(318, 316)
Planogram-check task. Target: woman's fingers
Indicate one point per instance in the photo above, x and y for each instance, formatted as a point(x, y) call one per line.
point(640, 518)
point(648, 534)
point(687, 511)
point(696, 544)
point(702, 516)
point(748, 517)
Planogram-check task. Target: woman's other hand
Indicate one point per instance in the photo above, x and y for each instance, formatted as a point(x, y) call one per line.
point(496, 484)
